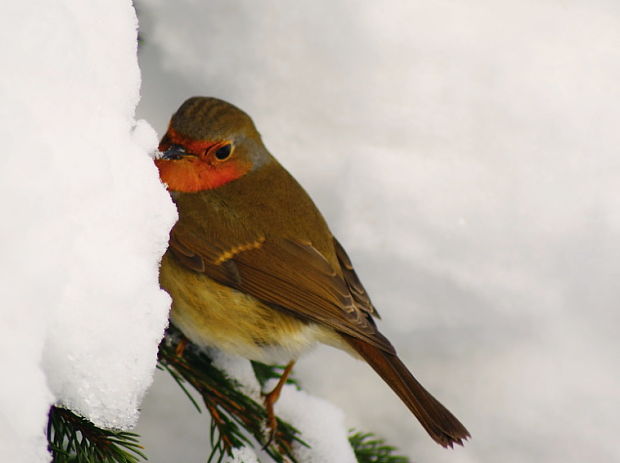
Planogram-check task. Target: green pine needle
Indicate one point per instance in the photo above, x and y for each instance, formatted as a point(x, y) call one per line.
point(264, 373)
point(236, 419)
point(370, 449)
point(73, 439)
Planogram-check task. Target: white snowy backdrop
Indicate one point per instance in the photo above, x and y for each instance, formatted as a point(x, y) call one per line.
point(466, 153)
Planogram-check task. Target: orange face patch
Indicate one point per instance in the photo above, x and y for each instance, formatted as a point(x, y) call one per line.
point(199, 170)
point(192, 174)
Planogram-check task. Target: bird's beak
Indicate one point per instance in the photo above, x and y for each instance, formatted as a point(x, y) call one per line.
point(174, 152)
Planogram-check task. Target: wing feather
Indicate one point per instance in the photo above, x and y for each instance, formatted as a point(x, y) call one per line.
point(353, 282)
point(291, 275)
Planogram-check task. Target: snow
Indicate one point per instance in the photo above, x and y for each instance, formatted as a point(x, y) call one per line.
point(242, 455)
point(238, 369)
point(85, 221)
point(466, 156)
point(322, 426)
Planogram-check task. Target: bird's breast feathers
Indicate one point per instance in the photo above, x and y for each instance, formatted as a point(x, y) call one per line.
point(216, 315)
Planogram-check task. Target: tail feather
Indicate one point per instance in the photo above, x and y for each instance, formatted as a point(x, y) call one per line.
point(441, 425)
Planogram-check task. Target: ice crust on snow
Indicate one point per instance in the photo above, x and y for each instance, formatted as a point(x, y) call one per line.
point(85, 221)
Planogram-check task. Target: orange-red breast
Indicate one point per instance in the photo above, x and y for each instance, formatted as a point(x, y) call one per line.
point(252, 267)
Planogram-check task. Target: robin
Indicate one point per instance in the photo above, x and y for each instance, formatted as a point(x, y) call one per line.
point(252, 267)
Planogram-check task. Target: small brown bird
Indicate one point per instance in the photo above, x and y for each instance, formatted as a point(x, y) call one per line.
point(252, 267)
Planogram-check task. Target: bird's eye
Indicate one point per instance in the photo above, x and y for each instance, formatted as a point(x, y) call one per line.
point(223, 151)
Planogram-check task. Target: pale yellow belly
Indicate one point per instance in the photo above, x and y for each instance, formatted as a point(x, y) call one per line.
point(211, 314)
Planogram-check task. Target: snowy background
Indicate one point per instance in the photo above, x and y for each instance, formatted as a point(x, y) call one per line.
point(465, 154)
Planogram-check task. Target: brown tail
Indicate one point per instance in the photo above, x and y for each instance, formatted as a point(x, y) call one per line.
point(442, 426)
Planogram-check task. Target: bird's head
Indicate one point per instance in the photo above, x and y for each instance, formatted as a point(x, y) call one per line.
point(209, 143)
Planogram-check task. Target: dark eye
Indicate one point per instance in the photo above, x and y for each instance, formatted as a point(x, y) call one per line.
point(223, 152)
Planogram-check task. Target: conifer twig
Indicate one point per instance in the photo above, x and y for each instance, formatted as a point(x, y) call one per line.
point(236, 421)
point(73, 439)
point(235, 417)
point(370, 449)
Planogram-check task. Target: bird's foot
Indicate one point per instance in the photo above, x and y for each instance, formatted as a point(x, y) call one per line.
point(180, 347)
point(272, 422)
point(270, 401)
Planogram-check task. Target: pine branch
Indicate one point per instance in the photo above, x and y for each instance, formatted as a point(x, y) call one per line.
point(73, 439)
point(236, 418)
point(370, 449)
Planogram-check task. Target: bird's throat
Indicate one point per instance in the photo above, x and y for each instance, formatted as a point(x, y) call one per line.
point(192, 175)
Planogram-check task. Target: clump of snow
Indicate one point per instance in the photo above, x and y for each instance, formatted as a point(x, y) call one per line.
point(238, 369)
point(322, 426)
point(85, 221)
point(242, 455)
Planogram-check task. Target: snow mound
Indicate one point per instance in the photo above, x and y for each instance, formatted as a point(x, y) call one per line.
point(85, 221)
point(322, 427)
